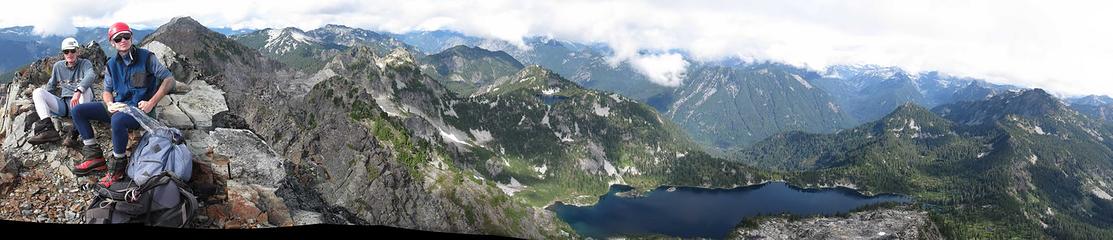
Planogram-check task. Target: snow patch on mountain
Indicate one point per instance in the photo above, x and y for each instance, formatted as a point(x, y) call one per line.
point(481, 136)
point(453, 138)
point(600, 110)
point(541, 170)
point(802, 81)
point(1101, 193)
point(281, 41)
point(611, 170)
point(510, 188)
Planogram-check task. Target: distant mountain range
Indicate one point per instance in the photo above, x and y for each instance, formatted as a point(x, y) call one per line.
point(1098, 107)
point(870, 92)
point(731, 104)
point(309, 50)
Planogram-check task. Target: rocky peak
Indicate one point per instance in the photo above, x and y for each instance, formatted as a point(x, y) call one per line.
point(349, 36)
point(906, 109)
point(467, 52)
point(1092, 100)
point(203, 52)
point(464, 69)
point(915, 121)
point(398, 57)
point(538, 73)
point(1033, 103)
point(289, 34)
point(182, 24)
point(531, 80)
point(336, 28)
point(1030, 103)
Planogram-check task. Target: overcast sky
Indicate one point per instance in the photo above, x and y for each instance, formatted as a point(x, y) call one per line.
point(1063, 46)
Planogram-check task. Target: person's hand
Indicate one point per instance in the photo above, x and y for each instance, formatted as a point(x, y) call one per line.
point(116, 107)
point(76, 96)
point(146, 106)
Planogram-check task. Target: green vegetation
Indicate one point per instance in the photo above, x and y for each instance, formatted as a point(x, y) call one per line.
point(1023, 170)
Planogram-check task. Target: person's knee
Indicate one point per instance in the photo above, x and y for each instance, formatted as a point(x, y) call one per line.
point(123, 121)
point(38, 95)
point(118, 121)
point(75, 112)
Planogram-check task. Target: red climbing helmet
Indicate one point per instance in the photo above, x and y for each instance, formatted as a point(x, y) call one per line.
point(117, 28)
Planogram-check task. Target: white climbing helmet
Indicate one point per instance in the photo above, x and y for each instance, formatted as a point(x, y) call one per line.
point(69, 43)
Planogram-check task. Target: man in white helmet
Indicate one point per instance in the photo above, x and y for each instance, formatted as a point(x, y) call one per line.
point(72, 77)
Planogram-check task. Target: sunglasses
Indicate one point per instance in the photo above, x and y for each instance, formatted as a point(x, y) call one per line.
point(68, 51)
point(122, 37)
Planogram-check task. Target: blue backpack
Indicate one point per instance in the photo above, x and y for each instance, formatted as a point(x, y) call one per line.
point(162, 149)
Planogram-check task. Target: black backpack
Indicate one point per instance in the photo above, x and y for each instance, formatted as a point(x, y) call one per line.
point(163, 200)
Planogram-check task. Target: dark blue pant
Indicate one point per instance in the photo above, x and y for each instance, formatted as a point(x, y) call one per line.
point(96, 111)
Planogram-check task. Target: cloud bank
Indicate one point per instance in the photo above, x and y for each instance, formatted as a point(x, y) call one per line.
point(1062, 46)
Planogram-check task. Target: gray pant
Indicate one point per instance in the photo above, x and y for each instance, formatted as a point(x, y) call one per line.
point(48, 105)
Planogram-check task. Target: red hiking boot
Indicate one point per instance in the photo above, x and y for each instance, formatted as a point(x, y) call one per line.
point(116, 172)
point(94, 161)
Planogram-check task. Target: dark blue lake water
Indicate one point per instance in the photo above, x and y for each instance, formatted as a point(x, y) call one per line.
point(551, 99)
point(710, 213)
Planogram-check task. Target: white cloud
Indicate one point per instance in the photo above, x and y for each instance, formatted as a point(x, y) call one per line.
point(1063, 46)
point(53, 17)
point(663, 69)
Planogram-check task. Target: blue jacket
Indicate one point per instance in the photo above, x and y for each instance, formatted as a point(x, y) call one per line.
point(135, 77)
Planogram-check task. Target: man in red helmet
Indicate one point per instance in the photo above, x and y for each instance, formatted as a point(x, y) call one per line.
point(133, 77)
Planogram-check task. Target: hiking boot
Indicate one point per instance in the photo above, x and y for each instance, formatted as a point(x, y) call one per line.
point(94, 161)
point(72, 139)
point(44, 132)
point(116, 172)
point(110, 178)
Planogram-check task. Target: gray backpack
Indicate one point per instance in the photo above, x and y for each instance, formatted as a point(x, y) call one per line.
point(164, 201)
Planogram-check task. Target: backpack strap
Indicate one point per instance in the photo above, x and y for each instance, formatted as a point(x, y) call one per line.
point(189, 205)
point(113, 195)
point(100, 210)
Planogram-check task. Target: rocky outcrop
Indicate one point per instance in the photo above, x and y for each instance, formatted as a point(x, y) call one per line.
point(245, 174)
point(193, 109)
point(873, 224)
